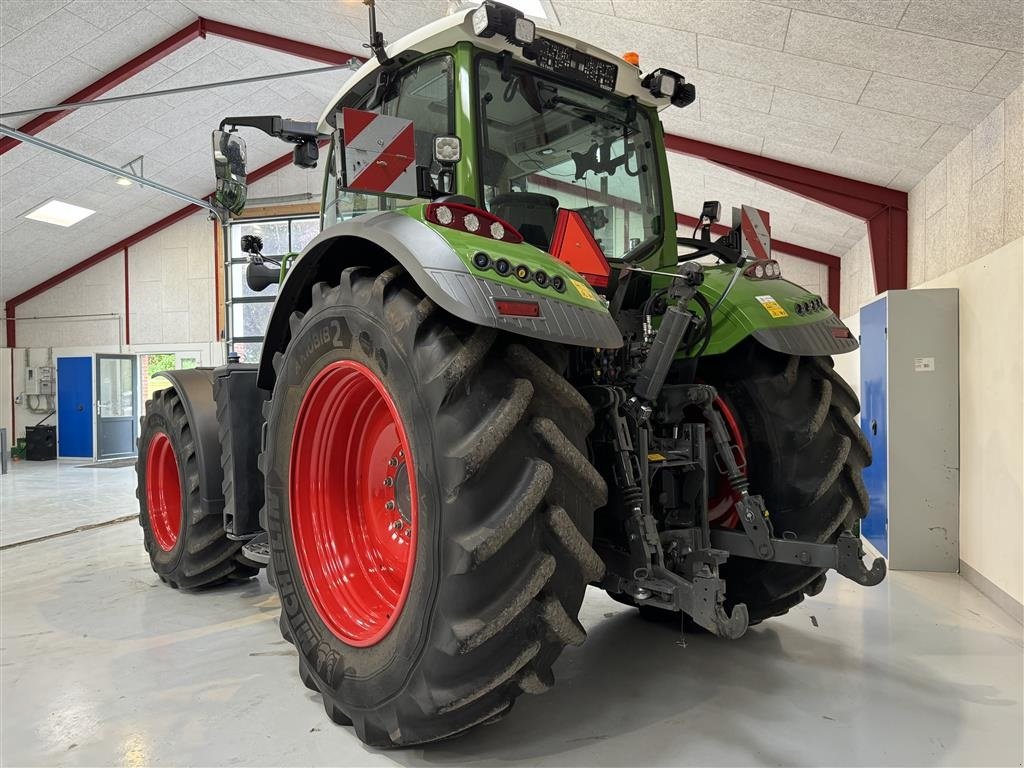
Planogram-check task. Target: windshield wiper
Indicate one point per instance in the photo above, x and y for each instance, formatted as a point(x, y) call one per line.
point(557, 100)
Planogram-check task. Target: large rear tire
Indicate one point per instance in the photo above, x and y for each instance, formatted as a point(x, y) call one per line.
point(394, 424)
point(186, 542)
point(805, 455)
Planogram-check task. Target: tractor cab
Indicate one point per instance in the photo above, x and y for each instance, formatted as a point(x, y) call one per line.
point(483, 108)
point(525, 124)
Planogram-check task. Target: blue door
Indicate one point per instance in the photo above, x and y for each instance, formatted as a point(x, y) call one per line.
point(74, 406)
point(874, 421)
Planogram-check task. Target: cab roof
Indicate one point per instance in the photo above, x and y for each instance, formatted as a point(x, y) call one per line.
point(458, 27)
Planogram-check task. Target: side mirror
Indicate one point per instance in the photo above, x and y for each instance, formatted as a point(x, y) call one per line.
point(229, 167)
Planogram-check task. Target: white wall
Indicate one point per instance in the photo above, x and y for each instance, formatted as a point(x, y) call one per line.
point(809, 274)
point(92, 302)
point(172, 286)
point(966, 221)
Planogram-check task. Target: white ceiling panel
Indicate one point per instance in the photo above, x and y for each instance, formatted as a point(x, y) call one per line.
point(758, 24)
point(876, 90)
point(25, 14)
point(688, 123)
point(770, 126)
point(928, 102)
point(987, 23)
point(34, 49)
point(1004, 77)
point(920, 57)
point(104, 13)
point(841, 115)
point(50, 86)
point(883, 13)
point(773, 68)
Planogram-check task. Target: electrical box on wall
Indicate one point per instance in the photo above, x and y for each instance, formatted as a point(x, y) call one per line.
point(39, 380)
point(910, 413)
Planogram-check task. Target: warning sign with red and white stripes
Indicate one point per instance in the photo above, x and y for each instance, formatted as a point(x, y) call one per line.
point(755, 232)
point(380, 153)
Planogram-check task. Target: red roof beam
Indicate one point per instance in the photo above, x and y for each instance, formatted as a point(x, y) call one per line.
point(278, 43)
point(110, 80)
point(858, 198)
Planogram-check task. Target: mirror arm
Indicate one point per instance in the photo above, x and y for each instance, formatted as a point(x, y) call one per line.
point(294, 131)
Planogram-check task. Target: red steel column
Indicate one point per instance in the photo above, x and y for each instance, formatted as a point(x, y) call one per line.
point(127, 308)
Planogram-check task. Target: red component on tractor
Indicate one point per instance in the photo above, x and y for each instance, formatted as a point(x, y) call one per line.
point(722, 504)
point(573, 244)
point(163, 491)
point(352, 500)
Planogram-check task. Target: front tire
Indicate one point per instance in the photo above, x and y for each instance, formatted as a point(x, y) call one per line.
point(495, 509)
point(186, 542)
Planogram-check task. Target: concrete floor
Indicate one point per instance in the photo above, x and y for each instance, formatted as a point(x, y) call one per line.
point(101, 664)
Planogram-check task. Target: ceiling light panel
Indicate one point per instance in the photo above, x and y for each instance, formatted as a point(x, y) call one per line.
point(60, 213)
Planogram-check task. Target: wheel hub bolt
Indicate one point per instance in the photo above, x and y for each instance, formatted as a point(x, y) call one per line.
point(392, 462)
point(389, 481)
point(397, 525)
point(390, 505)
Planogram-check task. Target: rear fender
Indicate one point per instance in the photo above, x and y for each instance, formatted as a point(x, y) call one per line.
point(440, 272)
point(781, 315)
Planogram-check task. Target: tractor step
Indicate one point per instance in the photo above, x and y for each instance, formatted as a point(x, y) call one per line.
point(258, 549)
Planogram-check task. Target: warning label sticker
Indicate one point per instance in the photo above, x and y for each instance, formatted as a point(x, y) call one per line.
point(774, 308)
point(924, 364)
point(583, 290)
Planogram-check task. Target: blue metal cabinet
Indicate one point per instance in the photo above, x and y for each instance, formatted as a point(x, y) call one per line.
point(874, 422)
point(909, 363)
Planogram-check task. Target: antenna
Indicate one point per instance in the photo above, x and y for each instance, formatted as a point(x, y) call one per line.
point(376, 45)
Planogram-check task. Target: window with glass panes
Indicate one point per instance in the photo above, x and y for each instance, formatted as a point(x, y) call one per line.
point(248, 311)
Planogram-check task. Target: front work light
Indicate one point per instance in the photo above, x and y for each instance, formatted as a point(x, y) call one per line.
point(493, 18)
point(447, 149)
point(666, 84)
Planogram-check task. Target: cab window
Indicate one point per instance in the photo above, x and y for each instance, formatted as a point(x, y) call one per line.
point(423, 93)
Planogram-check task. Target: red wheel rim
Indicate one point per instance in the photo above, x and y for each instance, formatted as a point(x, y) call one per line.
point(722, 506)
point(163, 491)
point(352, 500)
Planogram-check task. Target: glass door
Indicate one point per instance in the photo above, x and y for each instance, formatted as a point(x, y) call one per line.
point(116, 409)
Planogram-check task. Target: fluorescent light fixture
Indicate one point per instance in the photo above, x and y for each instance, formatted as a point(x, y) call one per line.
point(60, 213)
point(124, 181)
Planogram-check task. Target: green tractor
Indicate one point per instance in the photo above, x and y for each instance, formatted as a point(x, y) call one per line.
point(493, 381)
